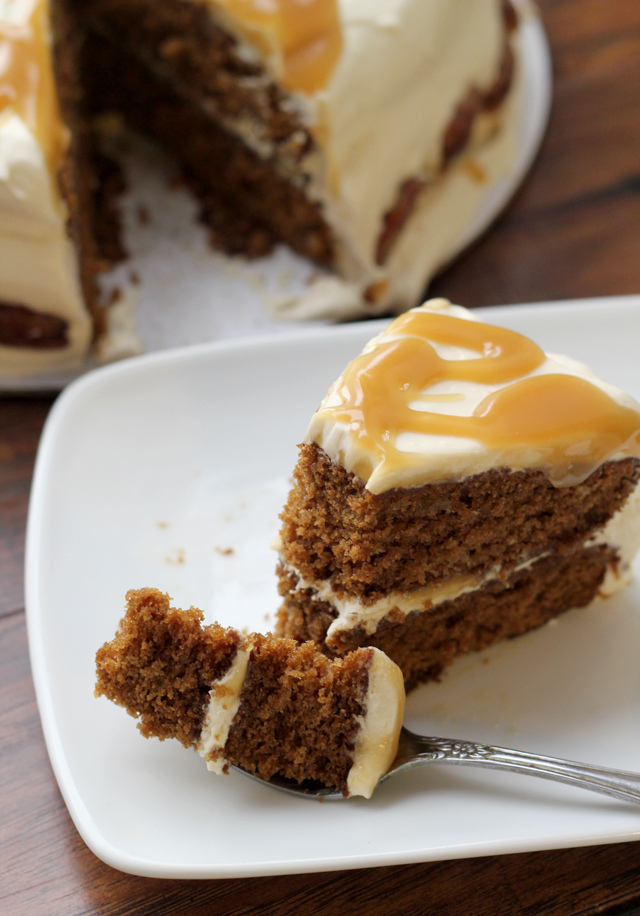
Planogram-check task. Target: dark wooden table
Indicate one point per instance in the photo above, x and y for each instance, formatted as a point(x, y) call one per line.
point(573, 230)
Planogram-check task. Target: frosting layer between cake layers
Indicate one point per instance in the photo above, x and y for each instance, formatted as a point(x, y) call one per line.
point(38, 263)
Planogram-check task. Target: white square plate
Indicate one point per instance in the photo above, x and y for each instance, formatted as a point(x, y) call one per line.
point(170, 471)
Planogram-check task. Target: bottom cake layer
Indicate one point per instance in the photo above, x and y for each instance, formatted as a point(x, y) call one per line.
point(424, 642)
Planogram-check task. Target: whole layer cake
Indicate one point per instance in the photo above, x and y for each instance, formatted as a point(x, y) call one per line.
point(319, 123)
point(457, 486)
point(267, 705)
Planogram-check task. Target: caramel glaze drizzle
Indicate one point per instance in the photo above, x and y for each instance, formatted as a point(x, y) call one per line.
point(27, 83)
point(307, 34)
point(571, 424)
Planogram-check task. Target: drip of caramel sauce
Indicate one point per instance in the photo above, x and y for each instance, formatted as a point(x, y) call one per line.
point(305, 33)
point(569, 424)
point(27, 83)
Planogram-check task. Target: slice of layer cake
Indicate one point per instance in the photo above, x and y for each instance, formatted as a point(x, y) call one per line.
point(319, 123)
point(457, 486)
point(267, 705)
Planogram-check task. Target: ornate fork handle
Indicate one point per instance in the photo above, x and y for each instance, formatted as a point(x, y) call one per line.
point(416, 750)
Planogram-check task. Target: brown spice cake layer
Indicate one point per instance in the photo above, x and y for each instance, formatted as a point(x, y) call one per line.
point(172, 73)
point(249, 204)
point(401, 540)
point(301, 714)
point(180, 44)
point(423, 643)
point(89, 182)
point(22, 327)
point(298, 715)
point(161, 665)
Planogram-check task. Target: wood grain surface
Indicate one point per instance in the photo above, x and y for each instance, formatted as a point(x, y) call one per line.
point(573, 230)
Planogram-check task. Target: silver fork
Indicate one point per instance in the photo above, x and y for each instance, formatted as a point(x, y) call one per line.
point(418, 750)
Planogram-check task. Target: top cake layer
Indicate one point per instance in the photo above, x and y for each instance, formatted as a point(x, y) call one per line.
point(441, 396)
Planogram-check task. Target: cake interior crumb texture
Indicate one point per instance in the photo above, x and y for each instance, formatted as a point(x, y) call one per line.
point(369, 546)
point(299, 713)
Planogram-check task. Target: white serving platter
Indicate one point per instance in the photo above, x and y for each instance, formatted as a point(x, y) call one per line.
point(169, 471)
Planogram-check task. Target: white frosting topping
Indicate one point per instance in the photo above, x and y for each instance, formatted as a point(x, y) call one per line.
point(431, 237)
point(377, 741)
point(440, 456)
point(405, 67)
point(224, 701)
point(622, 531)
point(38, 265)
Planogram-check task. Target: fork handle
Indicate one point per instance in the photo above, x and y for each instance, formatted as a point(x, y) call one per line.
point(615, 783)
